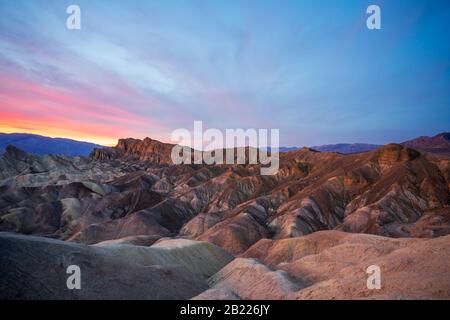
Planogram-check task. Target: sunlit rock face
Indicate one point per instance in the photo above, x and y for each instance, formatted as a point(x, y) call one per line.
point(147, 149)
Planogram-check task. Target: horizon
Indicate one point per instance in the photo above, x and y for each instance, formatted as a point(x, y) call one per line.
point(238, 146)
point(320, 76)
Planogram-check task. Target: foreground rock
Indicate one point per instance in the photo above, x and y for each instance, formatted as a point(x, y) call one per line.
point(332, 265)
point(35, 268)
point(201, 258)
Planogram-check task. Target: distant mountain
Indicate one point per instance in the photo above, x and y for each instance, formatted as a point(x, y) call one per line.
point(285, 149)
point(41, 145)
point(438, 144)
point(346, 148)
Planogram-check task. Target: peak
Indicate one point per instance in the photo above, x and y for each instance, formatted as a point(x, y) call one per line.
point(445, 135)
point(393, 153)
point(132, 141)
point(127, 140)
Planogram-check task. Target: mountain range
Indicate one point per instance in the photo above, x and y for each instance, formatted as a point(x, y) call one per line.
point(439, 144)
point(346, 148)
point(41, 145)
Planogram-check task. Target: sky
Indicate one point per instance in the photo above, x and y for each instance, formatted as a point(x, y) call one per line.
point(311, 69)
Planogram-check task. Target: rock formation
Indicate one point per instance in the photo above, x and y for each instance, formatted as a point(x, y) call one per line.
point(320, 206)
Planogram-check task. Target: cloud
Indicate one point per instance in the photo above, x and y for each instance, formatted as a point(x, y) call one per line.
point(146, 68)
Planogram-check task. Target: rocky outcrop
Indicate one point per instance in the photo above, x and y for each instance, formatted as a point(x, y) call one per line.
point(147, 149)
point(394, 153)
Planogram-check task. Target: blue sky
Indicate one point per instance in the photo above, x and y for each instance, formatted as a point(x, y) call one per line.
point(144, 68)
